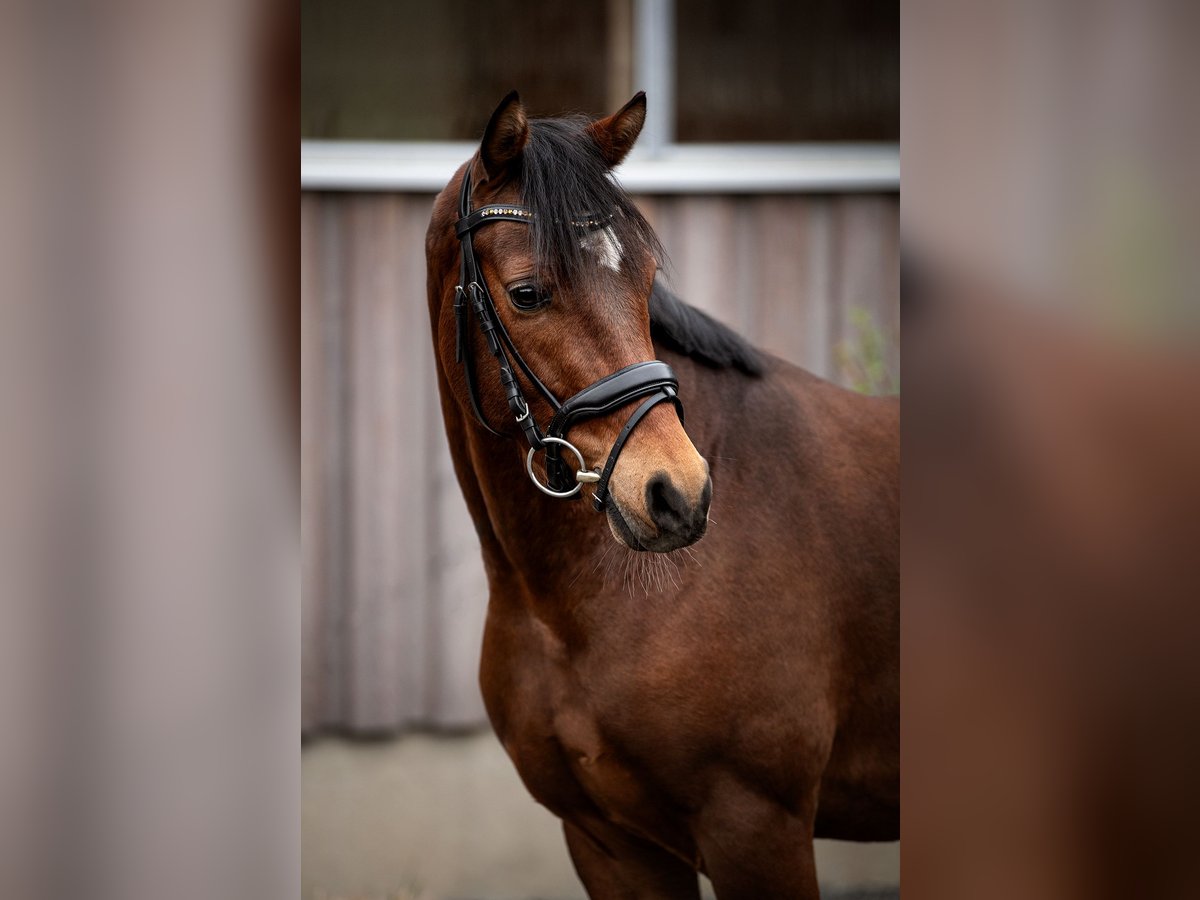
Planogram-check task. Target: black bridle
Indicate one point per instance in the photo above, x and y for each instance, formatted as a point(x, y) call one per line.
point(654, 380)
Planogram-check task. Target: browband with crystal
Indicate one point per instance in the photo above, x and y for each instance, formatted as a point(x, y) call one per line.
point(589, 221)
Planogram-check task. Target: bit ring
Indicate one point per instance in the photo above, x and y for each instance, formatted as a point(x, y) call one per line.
point(562, 495)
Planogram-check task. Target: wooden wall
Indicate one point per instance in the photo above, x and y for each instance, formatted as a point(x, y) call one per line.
point(393, 590)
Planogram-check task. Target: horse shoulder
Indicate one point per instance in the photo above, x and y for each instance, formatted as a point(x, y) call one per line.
point(543, 718)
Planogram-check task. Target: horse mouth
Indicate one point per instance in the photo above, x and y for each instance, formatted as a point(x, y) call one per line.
point(662, 543)
point(622, 531)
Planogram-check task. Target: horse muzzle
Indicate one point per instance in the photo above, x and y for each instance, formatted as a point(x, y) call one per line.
point(670, 519)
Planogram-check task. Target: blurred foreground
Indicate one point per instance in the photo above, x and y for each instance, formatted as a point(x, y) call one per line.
point(1051, 717)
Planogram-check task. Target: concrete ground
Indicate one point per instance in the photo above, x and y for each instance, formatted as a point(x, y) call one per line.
point(446, 818)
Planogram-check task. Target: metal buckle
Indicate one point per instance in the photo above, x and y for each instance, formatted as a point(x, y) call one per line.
point(581, 476)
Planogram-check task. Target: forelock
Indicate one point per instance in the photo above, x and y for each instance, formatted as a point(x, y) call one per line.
point(563, 178)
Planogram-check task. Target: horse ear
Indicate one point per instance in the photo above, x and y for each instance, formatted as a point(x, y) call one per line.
point(505, 136)
point(616, 134)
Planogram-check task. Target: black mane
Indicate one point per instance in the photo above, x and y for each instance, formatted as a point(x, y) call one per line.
point(563, 177)
point(687, 330)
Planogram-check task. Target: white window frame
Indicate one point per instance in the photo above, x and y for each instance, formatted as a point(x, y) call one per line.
point(657, 164)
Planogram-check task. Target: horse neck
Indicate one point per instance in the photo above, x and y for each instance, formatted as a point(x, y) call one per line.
point(536, 549)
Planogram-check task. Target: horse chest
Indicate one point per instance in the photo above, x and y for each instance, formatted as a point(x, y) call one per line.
point(572, 769)
point(559, 745)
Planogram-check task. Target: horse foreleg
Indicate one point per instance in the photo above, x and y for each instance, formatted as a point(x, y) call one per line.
point(753, 848)
point(617, 866)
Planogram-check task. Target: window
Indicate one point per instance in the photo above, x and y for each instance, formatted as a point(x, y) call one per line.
point(393, 90)
point(812, 70)
point(405, 70)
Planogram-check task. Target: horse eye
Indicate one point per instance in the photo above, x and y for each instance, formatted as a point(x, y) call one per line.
point(528, 297)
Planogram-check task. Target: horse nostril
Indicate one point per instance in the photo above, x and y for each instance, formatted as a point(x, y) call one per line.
point(667, 506)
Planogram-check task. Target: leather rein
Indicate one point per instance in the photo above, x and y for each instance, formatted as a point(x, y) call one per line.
point(653, 382)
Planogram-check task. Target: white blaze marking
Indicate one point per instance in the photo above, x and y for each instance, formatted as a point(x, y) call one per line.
point(604, 244)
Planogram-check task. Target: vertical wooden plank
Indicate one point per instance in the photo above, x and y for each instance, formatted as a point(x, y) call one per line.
point(889, 312)
point(820, 279)
point(457, 586)
point(877, 218)
point(386, 627)
point(781, 306)
point(673, 213)
point(865, 254)
point(314, 499)
point(408, 389)
point(860, 250)
point(333, 475)
point(366, 580)
point(705, 273)
point(648, 205)
point(741, 308)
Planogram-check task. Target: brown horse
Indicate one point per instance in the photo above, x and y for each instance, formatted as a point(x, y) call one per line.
point(709, 708)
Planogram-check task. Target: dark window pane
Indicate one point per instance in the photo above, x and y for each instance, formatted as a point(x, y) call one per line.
point(420, 70)
point(810, 70)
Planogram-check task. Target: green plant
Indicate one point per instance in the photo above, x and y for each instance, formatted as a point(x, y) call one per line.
point(863, 358)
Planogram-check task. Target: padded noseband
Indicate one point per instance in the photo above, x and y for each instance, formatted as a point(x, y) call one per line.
point(653, 381)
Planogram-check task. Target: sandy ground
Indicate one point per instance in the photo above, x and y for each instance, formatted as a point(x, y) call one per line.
point(446, 818)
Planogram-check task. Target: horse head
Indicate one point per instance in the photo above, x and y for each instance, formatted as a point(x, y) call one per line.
point(568, 263)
